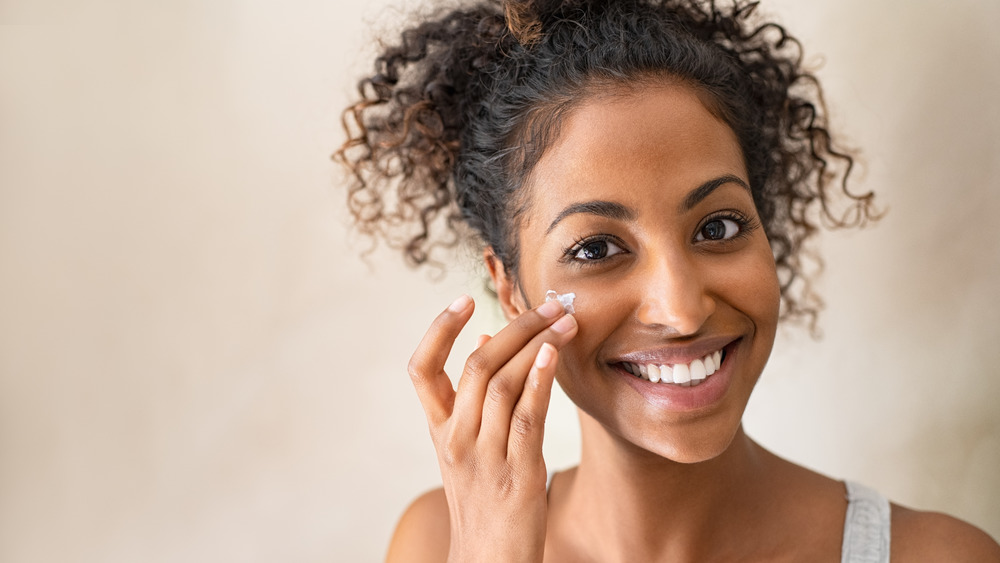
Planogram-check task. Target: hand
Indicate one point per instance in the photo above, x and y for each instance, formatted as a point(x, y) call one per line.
point(488, 434)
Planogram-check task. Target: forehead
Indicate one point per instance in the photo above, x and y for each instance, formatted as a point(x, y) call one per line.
point(644, 146)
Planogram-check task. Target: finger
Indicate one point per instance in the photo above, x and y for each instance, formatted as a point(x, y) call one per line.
point(426, 367)
point(487, 360)
point(483, 339)
point(507, 387)
point(527, 426)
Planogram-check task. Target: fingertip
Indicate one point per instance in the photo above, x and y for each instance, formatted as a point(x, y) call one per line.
point(460, 304)
point(543, 371)
point(483, 339)
point(565, 324)
point(550, 309)
point(545, 355)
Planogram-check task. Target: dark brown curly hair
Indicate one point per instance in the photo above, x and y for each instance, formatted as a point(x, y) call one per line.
point(458, 112)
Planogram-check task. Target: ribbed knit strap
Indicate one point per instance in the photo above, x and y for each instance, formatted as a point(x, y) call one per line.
point(866, 527)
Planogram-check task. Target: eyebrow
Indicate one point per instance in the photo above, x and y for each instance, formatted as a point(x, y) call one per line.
point(608, 209)
point(702, 191)
point(617, 211)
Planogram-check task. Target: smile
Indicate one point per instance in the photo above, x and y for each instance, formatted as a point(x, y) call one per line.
point(685, 375)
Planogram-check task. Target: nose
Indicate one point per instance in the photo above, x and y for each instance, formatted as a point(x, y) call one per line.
point(675, 295)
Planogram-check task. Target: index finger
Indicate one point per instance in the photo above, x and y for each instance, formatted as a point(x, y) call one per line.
point(426, 367)
point(486, 360)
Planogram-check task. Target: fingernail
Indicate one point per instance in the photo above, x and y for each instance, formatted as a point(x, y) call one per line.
point(544, 356)
point(460, 304)
point(564, 324)
point(550, 309)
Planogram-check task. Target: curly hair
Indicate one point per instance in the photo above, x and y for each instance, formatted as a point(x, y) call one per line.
point(458, 112)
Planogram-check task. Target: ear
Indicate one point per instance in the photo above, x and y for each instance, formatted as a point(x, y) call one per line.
point(507, 291)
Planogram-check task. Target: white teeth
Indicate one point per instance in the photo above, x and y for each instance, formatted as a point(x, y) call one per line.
point(698, 370)
point(653, 373)
point(666, 374)
point(685, 375)
point(682, 373)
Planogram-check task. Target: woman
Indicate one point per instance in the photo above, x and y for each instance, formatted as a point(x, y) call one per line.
point(663, 161)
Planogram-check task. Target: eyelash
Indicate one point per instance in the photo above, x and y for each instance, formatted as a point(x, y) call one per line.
point(569, 254)
point(746, 225)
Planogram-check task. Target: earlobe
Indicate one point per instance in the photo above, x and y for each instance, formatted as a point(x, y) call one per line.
point(507, 291)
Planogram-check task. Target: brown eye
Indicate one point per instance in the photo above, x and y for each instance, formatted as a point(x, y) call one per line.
point(718, 229)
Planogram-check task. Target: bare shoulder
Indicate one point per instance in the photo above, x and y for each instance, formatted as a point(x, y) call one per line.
point(932, 536)
point(422, 534)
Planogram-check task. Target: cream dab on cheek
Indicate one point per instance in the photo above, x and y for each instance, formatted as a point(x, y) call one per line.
point(565, 299)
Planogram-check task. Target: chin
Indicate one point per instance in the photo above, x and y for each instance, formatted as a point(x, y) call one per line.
point(695, 442)
point(690, 451)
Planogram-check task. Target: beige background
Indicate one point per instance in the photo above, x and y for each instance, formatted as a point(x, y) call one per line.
point(196, 365)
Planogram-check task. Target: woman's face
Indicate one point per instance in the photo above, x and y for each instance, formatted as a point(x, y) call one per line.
point(641, 208)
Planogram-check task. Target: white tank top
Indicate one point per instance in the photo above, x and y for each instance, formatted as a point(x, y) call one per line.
point(866, 527)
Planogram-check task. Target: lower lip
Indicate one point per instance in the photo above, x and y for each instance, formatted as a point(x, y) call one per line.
point(676, 398)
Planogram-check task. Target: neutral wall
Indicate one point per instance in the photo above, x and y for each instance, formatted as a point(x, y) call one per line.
point(196, 365)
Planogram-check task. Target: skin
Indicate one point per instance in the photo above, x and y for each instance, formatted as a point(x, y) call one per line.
point(668, 275)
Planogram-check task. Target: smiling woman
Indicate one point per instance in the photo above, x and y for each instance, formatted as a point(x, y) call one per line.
point(664, 161)
point(656, 230)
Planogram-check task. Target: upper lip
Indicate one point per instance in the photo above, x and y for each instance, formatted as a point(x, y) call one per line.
point(676, 353)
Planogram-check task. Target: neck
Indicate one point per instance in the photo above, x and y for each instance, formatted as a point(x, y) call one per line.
point(649, 507)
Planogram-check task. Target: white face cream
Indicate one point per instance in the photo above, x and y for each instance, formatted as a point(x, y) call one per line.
point(566, 299)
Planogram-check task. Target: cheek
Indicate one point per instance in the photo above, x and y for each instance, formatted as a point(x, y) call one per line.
point(599, 308)
point(750, 284)
point(599, 312)
point(591, 294)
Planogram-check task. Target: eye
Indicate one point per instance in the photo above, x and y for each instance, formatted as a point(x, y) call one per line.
point(718, 229)
point(597, 249)
point(593, 249)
